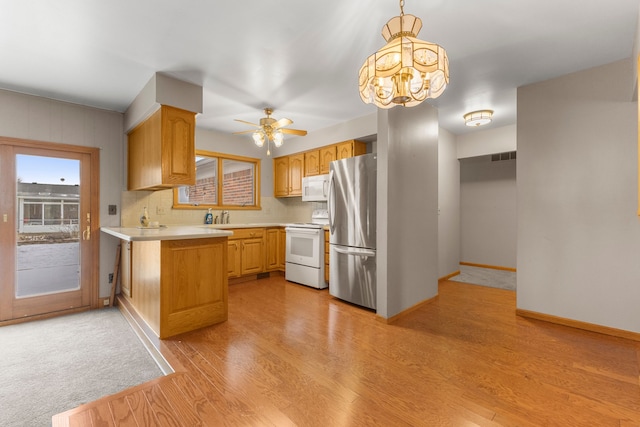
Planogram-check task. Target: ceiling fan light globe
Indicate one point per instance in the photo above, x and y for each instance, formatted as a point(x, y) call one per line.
point(258, 138)
point(278, 138)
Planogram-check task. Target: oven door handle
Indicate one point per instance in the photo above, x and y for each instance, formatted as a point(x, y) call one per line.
point(298, 230)
point(355, 252)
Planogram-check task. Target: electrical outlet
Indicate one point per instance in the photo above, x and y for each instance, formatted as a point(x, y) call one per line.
point(113, 209)
point(160, 210)
point(105, 302)
point(110, 277)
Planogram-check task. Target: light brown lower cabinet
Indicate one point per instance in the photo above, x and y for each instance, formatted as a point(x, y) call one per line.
point(282, 249)
point(326, 255)
point(246, 252)
point(179, 285)
point(256, 250)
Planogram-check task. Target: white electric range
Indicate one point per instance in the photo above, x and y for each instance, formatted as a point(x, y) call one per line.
point(305, 251)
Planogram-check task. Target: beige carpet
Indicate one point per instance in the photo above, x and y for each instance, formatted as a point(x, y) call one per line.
point(50, 366)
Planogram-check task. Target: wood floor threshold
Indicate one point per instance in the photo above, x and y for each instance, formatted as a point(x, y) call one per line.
point(605, 330)
point(493, 267)
point(83, 412)
point(449, 276)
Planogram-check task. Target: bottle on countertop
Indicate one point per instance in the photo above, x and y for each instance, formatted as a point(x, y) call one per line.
point(144, 219)
point(208, 218)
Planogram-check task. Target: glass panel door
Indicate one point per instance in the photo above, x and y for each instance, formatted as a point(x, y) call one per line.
point(48, 243)
point(48, 238)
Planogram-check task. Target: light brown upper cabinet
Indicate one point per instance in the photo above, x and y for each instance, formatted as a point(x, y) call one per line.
point(281, 176)
point(312, 163)
point(350, 148)
point(161, 150)
point(289, 170)
point(287, 175)
point(327, 155)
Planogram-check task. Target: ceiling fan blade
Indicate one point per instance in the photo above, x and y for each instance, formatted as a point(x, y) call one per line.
point(244, 131)
point(248, 123)
point(294, 131)
point(280, 123)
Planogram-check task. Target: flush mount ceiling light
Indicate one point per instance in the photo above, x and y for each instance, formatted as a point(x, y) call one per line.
point(406, 71)
point(478, 118)
point(270, 130)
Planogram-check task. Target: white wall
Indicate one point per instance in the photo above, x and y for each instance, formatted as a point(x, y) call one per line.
point(407, 208)
point(489, 141)
point(488, 217)
point(35, 118)
point(577, 185)
point(448, 204)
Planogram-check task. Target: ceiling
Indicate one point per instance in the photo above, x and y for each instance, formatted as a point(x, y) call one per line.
point(299, 57)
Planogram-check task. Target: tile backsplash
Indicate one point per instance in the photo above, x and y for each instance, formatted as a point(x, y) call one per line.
point(160, 207)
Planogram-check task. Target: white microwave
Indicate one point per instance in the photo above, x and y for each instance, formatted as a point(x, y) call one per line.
point(315, 188)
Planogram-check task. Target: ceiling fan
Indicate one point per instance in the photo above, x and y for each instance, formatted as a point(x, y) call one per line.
point(270, 129)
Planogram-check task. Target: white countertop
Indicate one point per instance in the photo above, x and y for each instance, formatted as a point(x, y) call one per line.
point(172, 232)
point(177, 232)
point(250, 225)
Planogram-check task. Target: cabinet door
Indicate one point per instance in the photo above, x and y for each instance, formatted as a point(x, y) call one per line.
point(282, 248)
point(234, 262)
point(296, 169)
point(178, 146)
point(327, 155)
point(326, 256)
point(312, 163)
point(145, 153)
point(344, 150)
point(281, 177)
point(252, 256)
point(271, 249)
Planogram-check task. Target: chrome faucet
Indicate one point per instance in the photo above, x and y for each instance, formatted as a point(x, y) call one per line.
point(224, 217)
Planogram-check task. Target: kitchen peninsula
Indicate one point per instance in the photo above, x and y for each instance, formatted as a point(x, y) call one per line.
point(174, 277)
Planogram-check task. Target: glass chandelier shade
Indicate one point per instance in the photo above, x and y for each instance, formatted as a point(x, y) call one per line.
point(406, 71)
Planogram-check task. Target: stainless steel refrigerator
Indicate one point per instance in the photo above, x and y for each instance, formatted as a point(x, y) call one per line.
point(352, 225)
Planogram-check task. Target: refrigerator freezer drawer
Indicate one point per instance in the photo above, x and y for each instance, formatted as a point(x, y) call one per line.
point(353, 275)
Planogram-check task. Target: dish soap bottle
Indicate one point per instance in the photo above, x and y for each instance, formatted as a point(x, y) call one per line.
point(208, 218)
point(144, 219)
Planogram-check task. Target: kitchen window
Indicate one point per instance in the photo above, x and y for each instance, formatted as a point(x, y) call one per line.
point(223, 181)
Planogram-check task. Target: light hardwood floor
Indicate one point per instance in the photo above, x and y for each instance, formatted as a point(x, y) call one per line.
point(292, 355)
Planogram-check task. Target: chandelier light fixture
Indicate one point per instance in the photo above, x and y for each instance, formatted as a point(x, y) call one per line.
point(406, 71)
point(478, 118)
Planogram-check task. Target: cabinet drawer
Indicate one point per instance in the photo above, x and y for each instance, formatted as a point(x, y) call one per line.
point(247, 233)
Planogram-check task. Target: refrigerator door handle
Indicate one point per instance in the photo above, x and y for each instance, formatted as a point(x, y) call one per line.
point(331, 208)
point(355, 252)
